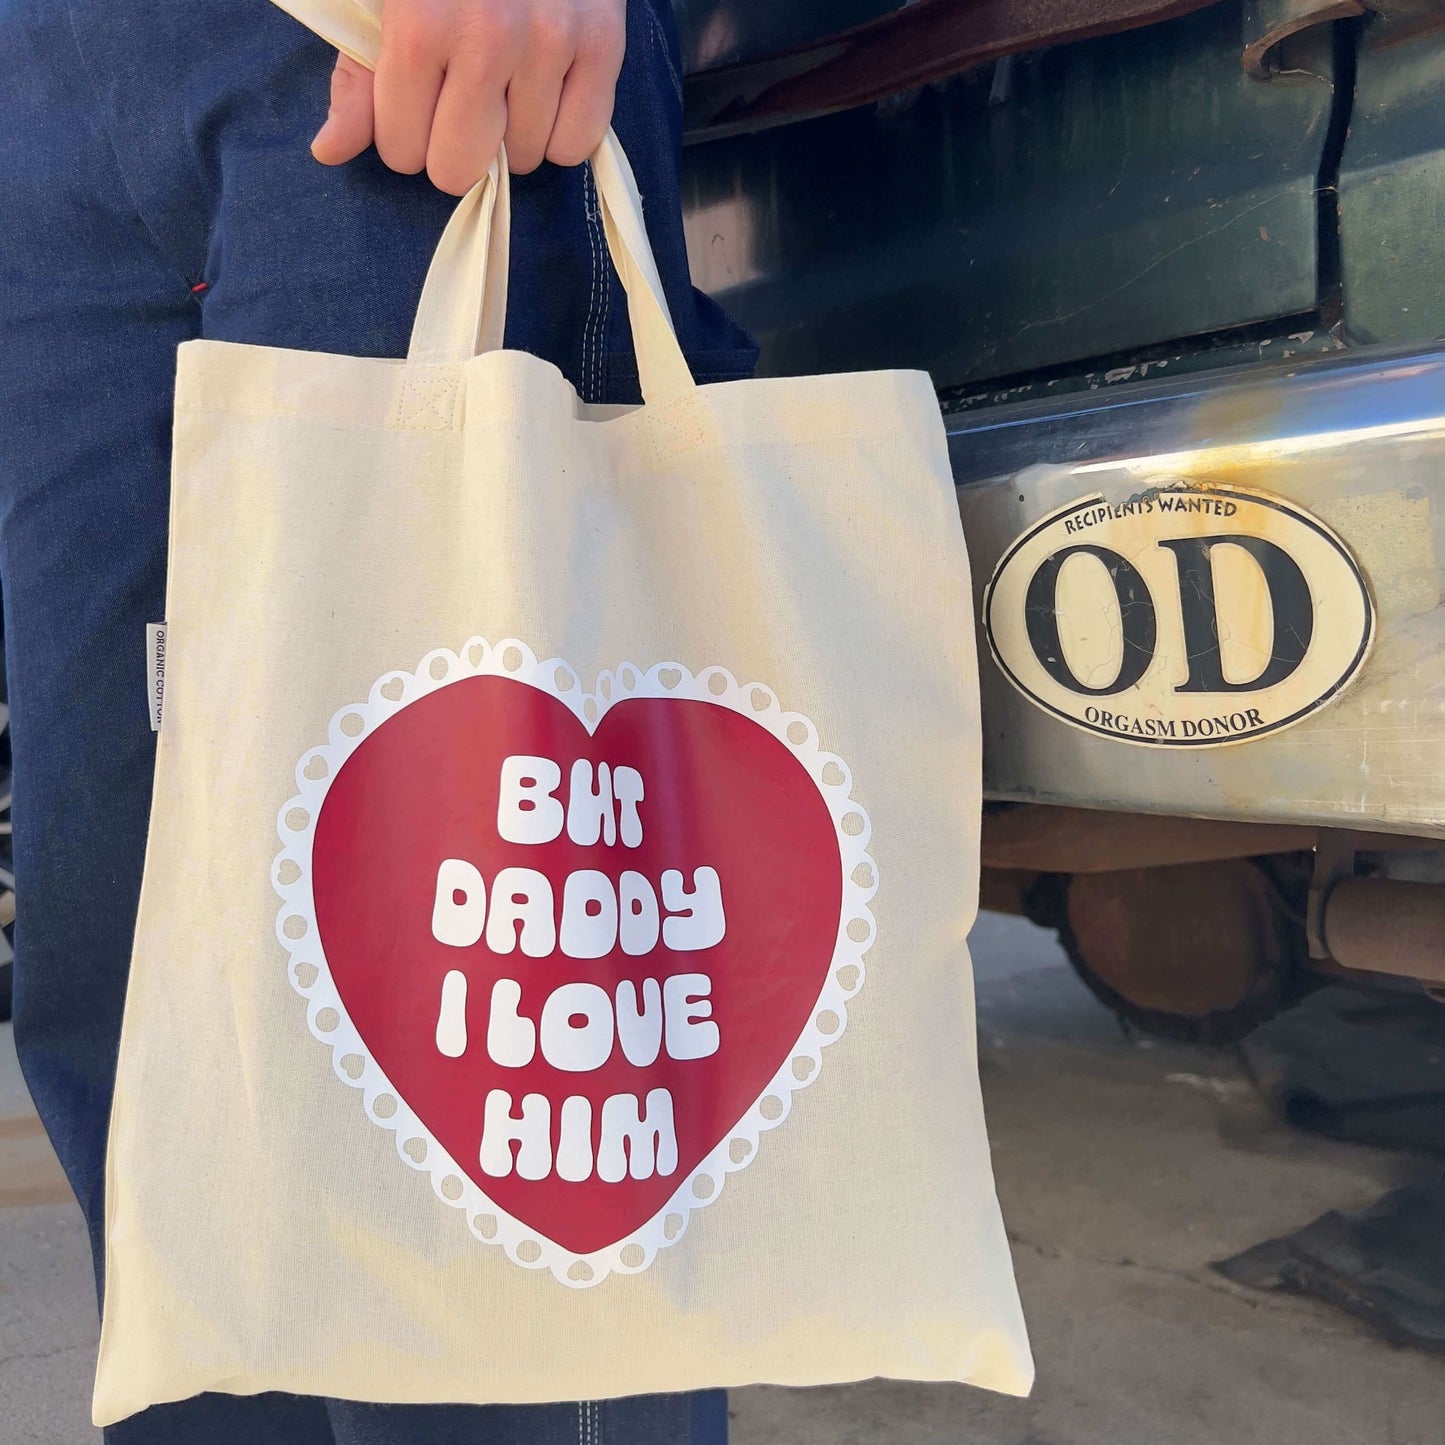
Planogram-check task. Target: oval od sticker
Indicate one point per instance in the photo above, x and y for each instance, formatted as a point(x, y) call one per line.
point(1192, 615)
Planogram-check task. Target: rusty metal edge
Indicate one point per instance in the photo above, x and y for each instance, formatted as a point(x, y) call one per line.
point(1047, 838)
point(1303, 16)
point(922, 43)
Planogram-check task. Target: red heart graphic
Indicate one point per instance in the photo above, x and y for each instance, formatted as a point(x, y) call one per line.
point(720, 791)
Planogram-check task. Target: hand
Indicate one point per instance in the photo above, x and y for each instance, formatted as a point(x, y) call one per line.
point(456, 77)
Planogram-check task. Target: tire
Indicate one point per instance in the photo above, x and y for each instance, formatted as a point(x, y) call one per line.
point(1200, 952)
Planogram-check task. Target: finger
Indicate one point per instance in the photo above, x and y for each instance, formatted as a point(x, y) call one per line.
point(470, 120)
point(348, 127)
point(532, 101)
point(409, 75)
point(549, 48)
point(585, 109)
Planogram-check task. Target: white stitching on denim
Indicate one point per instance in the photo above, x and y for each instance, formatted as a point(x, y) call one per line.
point(592, 203)
point(660, 35)
point(605, 284)
point(588, 393)
point(599, 338)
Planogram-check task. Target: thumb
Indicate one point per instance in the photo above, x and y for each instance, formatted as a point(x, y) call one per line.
point(347, 131)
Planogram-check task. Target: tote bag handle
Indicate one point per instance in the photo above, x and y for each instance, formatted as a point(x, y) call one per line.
point(464, 302)
point(463, 307)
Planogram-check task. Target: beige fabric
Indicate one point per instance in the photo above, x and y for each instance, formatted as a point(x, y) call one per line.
point(334, 522)
point(352, 26)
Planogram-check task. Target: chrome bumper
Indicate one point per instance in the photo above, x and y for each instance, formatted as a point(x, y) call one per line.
point(1356, 443)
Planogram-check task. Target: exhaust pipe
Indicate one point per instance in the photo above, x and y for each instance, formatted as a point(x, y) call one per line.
point(1385, 925)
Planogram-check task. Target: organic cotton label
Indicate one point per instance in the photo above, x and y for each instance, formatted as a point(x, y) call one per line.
point(155, 671)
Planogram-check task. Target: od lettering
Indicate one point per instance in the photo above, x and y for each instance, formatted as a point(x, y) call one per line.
point(1291, 606)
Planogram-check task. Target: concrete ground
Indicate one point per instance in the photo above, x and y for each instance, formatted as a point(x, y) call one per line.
point(1125, 1168)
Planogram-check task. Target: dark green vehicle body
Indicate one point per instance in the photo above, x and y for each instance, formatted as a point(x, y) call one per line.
point(1087, 214)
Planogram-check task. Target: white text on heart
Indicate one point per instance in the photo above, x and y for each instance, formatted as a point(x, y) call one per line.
point(635, 1139)
point(581, 1023)
point(528, 810)
point(596, 914)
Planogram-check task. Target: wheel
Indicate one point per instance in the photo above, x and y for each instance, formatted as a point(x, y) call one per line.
point(1202, 952)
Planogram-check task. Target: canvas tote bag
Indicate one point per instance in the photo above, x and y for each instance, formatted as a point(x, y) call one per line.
point(550, 979)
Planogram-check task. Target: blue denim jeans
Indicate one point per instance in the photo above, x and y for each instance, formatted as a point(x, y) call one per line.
point(155, 185)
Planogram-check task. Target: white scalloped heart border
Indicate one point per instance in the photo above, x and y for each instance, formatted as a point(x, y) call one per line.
point(351, 1060)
